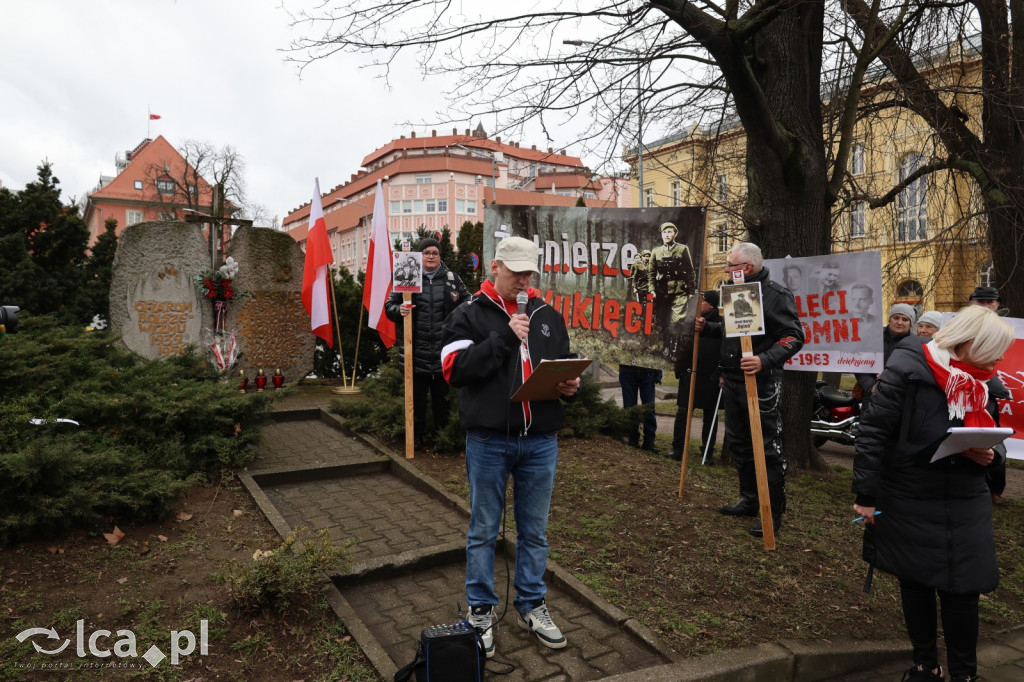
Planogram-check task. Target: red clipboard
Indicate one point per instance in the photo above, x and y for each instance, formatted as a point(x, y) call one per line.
point(543, 381)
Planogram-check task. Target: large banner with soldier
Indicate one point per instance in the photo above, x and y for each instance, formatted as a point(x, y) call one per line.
point(624, 279)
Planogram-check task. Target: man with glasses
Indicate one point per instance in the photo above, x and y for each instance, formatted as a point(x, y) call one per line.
point(442, 292)
point(782, 338)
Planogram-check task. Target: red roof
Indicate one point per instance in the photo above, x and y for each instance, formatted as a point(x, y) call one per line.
point(473, 142)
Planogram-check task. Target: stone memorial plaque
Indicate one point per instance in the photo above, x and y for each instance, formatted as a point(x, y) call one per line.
point(154, 305)
point(272, 326)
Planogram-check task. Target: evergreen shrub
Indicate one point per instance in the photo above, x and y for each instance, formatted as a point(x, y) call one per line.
point(147, 430)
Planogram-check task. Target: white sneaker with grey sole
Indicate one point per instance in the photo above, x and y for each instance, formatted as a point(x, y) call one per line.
point(539, 620)
point(485, 621)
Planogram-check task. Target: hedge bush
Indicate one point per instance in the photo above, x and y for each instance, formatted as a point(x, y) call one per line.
point(147, 429)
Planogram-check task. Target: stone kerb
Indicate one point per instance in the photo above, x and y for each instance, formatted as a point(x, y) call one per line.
point(272, 326)
point(155, 307)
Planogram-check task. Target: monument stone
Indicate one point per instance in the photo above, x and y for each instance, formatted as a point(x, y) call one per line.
point(272, 326)
point(154, 305)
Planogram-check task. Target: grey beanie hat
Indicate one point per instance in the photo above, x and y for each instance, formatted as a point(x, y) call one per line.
point(903, 309)
point(932, 317)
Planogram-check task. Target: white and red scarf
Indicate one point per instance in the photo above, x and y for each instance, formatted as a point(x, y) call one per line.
point(964, 384)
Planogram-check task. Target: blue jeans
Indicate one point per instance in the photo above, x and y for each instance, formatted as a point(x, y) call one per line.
point(640, 381)
point(531, 460)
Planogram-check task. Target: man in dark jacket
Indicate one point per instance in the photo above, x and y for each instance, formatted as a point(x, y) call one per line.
point(490, 349)
point(442, 292)
point(902, 318)
point(783, 337)
point(705, 393)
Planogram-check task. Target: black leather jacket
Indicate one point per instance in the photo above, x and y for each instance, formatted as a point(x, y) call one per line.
point(783, 337)
point(440, 296)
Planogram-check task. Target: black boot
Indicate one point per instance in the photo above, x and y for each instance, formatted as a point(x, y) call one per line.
point(745, 506)
point(758, 532)
point(777, 493)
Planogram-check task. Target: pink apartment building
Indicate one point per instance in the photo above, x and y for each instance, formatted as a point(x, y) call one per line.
point(446, 180)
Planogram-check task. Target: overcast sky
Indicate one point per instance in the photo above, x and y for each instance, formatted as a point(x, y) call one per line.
point(78, 79)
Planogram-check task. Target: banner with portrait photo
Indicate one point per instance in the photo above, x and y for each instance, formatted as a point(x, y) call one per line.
point(839, 301)
point(741, 309)
point(407, 272)
point(625, 287)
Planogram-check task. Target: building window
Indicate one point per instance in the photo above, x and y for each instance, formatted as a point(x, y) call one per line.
point(418, 206)
point(912, 203)
point(460, 205)
point(722, 189)
point(442, 205)
point(648, 199)
point(396, 207)
point(165, 187)
point(857, 215)
point(138, 184)
point(131, 217)
point(720, 235)
point(407, 206)
point(987, 276)
point(677, 194)
point(193, 190)
point(857, 159)
point(471, 207)
point(911, 292)
point(168, 216)
point(431, 206)
point(424, 179)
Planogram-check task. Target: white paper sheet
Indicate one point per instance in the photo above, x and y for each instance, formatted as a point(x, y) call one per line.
point(962, 438)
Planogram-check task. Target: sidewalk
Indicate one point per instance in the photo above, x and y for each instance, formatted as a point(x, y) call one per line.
point(406, 539)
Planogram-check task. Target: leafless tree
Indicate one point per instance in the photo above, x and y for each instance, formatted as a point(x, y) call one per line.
point(959, 67)
point(694, 60)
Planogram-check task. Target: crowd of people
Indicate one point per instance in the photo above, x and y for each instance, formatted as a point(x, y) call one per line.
point(935, 534)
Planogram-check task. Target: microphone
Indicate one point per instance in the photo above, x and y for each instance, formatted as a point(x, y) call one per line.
point(521, 299)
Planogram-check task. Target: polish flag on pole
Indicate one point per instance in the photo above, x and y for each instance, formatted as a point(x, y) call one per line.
point(154, 117)
point(315, 272)
point(378, 272)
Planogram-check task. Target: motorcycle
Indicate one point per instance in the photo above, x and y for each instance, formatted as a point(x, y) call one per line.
point(836, 416)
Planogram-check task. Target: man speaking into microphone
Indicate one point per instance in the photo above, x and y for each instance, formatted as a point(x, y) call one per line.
point(490, 346)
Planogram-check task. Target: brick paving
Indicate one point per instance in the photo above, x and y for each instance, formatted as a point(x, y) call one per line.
point(395, 610)
point(308, 443)
point(407, 564)
point(380, 513)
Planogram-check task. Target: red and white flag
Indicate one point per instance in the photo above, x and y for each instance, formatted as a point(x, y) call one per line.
point(315, 272)
point(154, 117)
point(378, 272)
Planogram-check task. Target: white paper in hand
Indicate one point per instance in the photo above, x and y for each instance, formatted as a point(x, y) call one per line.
point(962, 438)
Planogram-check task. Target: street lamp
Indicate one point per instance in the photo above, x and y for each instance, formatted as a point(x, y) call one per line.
point(639, 109)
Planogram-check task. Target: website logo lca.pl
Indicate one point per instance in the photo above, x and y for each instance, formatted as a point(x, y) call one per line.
point(183, 643)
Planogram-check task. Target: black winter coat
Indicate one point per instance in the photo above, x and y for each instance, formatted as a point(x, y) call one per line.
point(783, 337)
point(705, 394)
point(936, 521)
point(889, 343)
point(440, 296)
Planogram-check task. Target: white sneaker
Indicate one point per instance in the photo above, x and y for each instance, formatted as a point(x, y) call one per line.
point(486, 622)
point(539, 620)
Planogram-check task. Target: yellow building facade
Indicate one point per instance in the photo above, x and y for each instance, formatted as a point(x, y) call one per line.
point(932, 235)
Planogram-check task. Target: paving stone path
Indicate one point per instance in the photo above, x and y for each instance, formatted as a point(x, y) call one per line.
point(406, 537)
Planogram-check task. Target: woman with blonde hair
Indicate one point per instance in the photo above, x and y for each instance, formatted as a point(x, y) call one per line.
point(934, 527)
